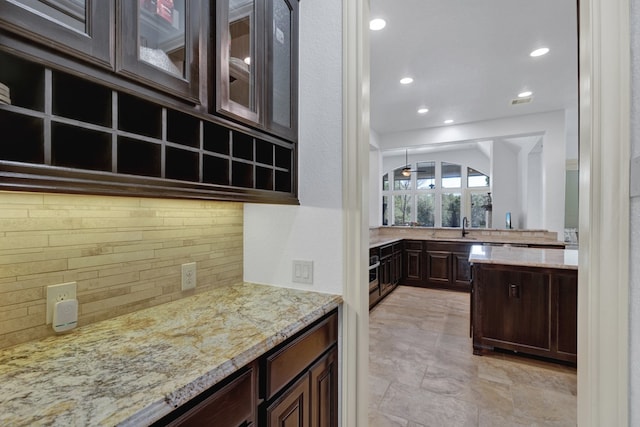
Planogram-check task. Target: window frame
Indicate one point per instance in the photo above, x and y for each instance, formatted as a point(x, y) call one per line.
point(438, 191)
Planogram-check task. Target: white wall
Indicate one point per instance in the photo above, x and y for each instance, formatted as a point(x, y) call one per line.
point(505, 184)
point(375, 183)
point(550, 126)
point(470, 156)
point(276, 235)
point(534, 192)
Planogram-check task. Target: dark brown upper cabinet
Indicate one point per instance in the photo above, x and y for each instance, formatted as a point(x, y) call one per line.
point(139, 119)
point(81, 28)
point(158, 44)
point(256, 64)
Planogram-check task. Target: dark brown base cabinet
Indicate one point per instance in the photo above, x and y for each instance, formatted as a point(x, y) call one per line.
point(389, 274)
point(412, 273)
point(312, 400)
point(525, 309)
point(295, 384)
point(442, 265)
point(447, 265)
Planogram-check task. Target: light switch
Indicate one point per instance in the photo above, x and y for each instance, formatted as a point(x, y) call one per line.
point(303, 272)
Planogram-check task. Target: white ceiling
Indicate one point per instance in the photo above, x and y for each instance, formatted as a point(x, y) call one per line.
point(469, 59)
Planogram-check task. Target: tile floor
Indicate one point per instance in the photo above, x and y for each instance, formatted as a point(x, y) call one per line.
point(422, 371)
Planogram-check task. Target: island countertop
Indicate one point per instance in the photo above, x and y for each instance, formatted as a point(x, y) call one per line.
point(136, 368)
point(566, 259)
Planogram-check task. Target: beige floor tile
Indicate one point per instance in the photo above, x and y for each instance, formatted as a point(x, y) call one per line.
point(378, 419)
point(428, 408)
point(423, 372)
point(377, 388)
point(546, 405)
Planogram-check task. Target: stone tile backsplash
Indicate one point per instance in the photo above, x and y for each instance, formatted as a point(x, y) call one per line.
point(124, 253)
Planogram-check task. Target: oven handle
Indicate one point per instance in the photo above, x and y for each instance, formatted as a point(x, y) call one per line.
point(376, 265)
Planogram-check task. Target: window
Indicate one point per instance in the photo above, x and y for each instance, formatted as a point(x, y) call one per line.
point(426, 177)
point(385, 210)
point(451, 175)
point(451, 209)
point(401, 182)
point(402, 212)
point(476, 178)
point(425, 213)
point(479, 204)
point(435, 194)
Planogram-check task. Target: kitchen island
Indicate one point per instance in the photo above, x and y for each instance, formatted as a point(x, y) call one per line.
point(137, 368)
point(525, 300)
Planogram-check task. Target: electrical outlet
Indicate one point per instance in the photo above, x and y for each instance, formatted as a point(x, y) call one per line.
point(188, 276)
point(57, 293)
point(303, 272)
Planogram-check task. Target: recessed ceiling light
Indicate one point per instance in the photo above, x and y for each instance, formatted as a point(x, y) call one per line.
point(448, 121)
point(540, 52)
point(525, 94)
point(247, 60)
point(377, 24)
point(423, 110)
point(406, 80)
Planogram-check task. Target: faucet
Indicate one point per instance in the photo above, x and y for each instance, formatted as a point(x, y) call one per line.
point(465, 224)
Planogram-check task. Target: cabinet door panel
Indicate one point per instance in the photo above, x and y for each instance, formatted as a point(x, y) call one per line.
point(159, 44)
point(324, 391)
point(566, 288)
point(397, 267)
point(282, 60)
point(77, 27)
point(461, 269)
point(291, 410)
point(238, 59)
point(515, 307)
point(438, 267)
point(413, 266)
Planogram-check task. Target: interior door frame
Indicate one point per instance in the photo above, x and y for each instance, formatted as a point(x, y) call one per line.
point(603, 301)
point(603, 271)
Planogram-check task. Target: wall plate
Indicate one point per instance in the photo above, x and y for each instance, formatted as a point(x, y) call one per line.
point(303, 272)
point(188, 276)
point(57, 293)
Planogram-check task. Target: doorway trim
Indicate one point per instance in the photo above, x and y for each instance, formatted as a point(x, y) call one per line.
point(603, 273)
point(603, 297)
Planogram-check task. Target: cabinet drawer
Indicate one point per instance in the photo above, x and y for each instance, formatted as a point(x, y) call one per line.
point(386, 251)
point(286, 363)
point(233, 405)
point(413, 245)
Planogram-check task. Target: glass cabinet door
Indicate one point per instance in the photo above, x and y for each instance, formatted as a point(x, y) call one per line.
point(282, 62)
point(159, 42)
point(78, 27)
point(256, 63)
point(238, 58)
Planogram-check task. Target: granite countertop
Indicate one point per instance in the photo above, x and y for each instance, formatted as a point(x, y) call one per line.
point(136, 368)
point(374, 243)
point(528, 257)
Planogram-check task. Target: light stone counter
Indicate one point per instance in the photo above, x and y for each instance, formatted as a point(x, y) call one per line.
point(527, 257)
point(136, 368)
point(475, 235)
